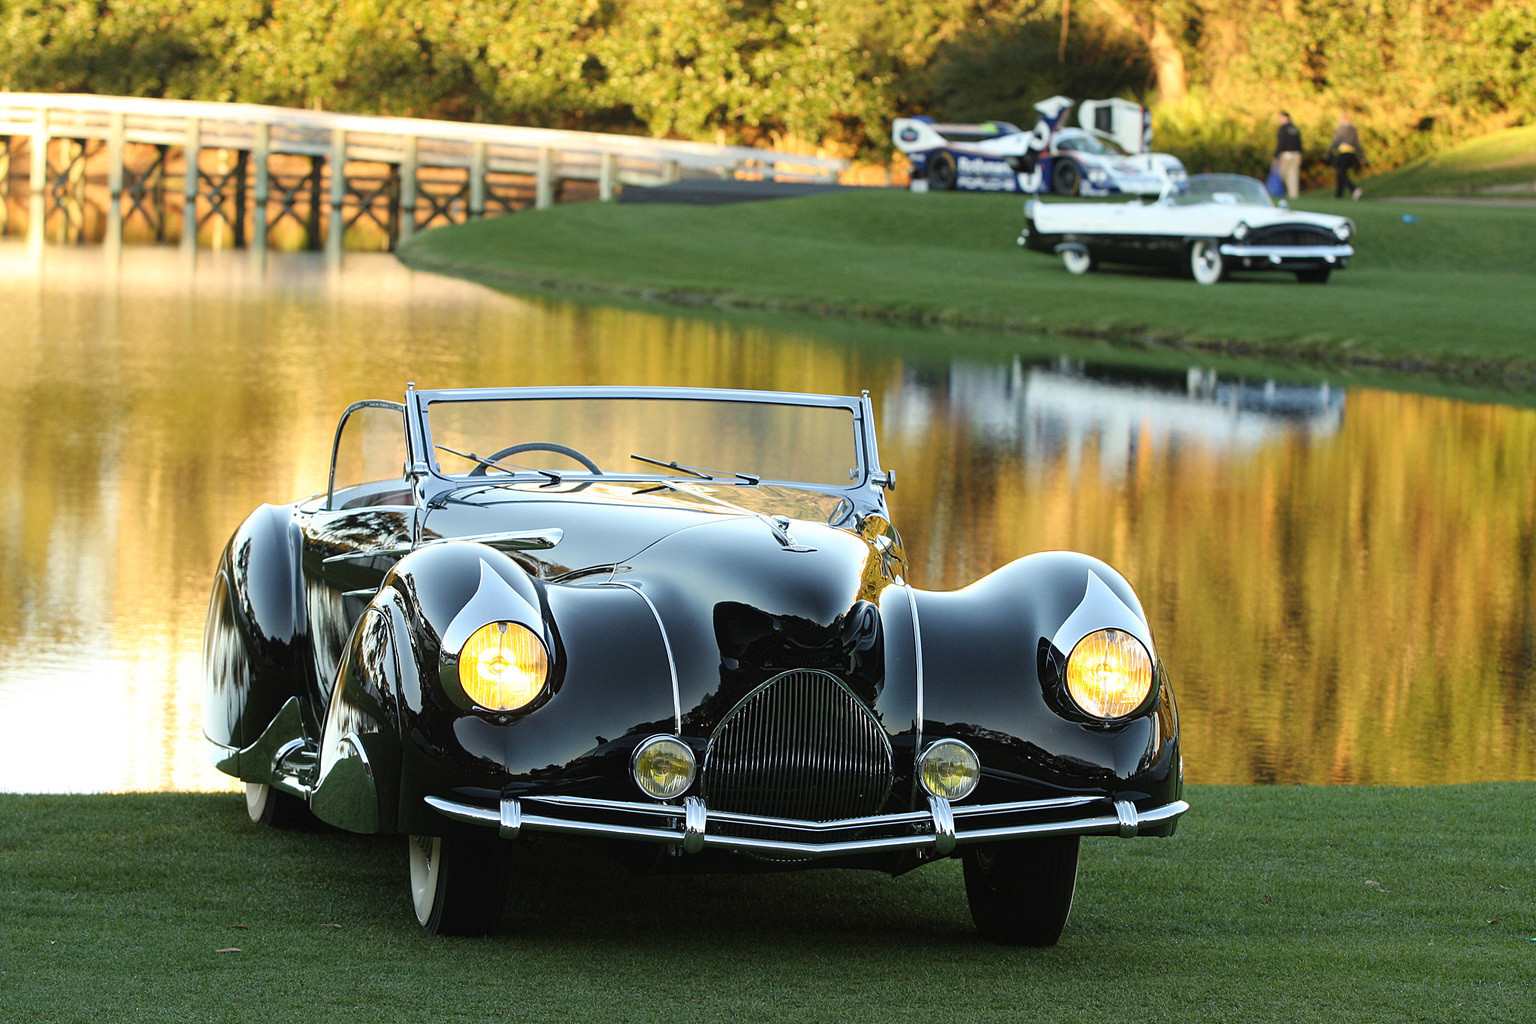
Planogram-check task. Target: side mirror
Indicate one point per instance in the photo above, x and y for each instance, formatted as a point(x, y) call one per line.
point(1285, 204)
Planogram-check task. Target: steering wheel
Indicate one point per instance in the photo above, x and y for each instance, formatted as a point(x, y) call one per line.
point(537, 446)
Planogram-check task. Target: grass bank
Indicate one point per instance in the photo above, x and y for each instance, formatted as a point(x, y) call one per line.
point(1501, 162)
point(1271, 904)
point(1450, 293)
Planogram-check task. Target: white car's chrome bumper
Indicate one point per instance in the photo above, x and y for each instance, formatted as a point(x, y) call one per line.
point(1285, 253)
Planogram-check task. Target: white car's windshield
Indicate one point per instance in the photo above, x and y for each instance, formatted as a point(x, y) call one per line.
point(1090, 144)
point(1224, 189)
point(726, 442)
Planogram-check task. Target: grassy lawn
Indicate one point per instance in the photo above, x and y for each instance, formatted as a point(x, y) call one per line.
point(1503, 159)
point(1451, 293)
point(1271, 904)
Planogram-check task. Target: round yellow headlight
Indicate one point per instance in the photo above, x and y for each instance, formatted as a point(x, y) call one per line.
point(1109, 673)
point(663, 767)
point(503, 666)
point(949, 769)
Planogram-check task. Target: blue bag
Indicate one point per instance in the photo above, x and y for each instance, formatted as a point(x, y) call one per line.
point(1273, 184)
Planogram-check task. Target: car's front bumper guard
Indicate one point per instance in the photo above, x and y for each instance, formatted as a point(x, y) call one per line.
point(1278, 254)
point(693, 827)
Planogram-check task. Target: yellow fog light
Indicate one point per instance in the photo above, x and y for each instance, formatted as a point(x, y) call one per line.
point(1109, 673)
point(663, 767)
point(949, 769)
point(503, 666)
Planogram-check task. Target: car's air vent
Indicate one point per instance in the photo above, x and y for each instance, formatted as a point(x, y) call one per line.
point(800, 746)
point(1291, 236)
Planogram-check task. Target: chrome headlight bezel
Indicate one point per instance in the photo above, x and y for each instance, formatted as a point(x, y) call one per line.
point(668, 746)
point(1144, 666)
point(1241, 231)
point(948, 754)
point(1345, 231)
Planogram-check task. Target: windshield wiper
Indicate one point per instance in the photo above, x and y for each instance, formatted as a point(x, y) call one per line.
point(505, 467)
point(779, 525)
point(702, 474)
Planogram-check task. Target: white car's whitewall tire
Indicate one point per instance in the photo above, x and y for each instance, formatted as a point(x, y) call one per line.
point(1077, 261)
point(1205, 262)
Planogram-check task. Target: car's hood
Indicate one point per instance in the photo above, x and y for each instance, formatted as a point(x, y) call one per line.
point(599, 525)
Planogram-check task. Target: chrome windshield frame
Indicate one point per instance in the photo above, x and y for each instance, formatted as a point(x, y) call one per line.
point(867, 492)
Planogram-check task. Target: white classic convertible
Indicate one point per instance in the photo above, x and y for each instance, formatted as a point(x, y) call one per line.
point(1213, 224)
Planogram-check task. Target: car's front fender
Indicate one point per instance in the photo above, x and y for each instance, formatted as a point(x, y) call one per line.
point(611, 683)
point(982, 658)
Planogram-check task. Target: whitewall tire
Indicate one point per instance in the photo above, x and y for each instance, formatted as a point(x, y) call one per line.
point(1206, 263)
point(1077, 261)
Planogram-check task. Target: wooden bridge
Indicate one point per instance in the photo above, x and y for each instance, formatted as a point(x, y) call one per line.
point(236, 174)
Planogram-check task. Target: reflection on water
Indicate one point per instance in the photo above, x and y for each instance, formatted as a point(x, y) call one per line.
point(1343, 589)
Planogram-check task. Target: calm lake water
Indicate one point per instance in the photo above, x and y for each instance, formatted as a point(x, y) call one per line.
point(1343, 584)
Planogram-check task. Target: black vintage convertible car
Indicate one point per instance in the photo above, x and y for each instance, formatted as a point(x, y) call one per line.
point(675, 623)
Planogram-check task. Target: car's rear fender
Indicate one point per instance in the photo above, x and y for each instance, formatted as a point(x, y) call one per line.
point(983, 649)
point(254, 645)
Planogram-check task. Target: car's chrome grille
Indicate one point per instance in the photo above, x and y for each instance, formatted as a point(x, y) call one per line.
point(799, 746)
point(1291, 236)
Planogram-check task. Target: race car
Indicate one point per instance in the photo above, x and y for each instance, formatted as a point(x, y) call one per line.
point(1107, 156)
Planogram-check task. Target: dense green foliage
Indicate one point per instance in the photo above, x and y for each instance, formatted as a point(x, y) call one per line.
point(951, 258)
point(1347, 905)
point(827, 73)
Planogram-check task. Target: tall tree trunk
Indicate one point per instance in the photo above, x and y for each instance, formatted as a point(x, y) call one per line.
point(1140, 16)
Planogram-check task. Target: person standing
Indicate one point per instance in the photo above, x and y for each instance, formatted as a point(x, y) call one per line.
point(1345, 154)
point(1288, 155)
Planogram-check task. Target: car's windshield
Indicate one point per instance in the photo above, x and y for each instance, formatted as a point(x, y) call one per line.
point(697, 440)
point(1090, 144)
point(1225, 189)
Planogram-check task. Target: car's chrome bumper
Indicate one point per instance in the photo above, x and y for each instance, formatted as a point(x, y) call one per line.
point(693, 827)
point(1278, 254)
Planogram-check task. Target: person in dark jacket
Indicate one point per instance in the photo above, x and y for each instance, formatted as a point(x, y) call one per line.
point(1288, 155)
point(1345, 154)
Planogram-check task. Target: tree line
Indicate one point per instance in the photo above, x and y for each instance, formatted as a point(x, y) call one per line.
point(814, 74)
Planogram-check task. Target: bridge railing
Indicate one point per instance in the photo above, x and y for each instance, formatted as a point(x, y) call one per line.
point(405, 146)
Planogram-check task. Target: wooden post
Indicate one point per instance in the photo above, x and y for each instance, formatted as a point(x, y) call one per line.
point(337, 229)
point(37, 213)
point(544, 180)
point(477, 162)
point(263, 190)
point(192, 152)
point(312, 220)
point(607, 176)
point(407, 188)
point(5, 184)
point(115, 146)
point(242, 167)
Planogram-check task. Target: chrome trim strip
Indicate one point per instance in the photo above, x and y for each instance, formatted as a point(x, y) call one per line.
point(666, 643)
point(519, 540)
point(693, 833)
point(917, 660)
point(1300, 252)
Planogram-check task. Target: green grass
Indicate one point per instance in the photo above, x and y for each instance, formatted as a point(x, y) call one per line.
point(1451, 294)
point(1271, 904)
point(1502, 161)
